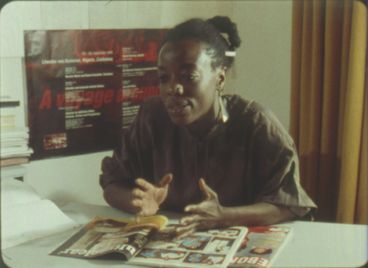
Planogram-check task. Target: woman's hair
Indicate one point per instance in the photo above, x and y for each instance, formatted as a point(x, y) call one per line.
point(220, 33)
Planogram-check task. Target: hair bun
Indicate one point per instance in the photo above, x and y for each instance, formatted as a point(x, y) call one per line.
point(225, 26)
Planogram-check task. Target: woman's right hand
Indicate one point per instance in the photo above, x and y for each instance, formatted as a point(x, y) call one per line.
point(147, 197)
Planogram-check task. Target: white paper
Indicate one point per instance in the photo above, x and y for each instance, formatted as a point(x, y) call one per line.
point(28, 221)
point(17, 192)
point(25, 216)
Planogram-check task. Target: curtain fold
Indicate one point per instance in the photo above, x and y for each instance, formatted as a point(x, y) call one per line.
point(330, 109)
point(361, 215)
point(351, 138)
point(329, 40)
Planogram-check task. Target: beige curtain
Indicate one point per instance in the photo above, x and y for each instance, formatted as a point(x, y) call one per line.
point(328, 112)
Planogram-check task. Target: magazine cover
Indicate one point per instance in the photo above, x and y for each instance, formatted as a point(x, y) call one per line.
point(211, 248)
point(119, 238)
point(85, 87)
point(261, 246)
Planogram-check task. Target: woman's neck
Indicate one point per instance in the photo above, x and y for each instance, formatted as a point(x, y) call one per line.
point(204, 125)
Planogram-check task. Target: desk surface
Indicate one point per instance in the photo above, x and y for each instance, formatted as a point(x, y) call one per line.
point(313, 244)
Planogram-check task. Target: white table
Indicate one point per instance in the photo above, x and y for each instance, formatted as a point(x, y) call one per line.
point(313, 244)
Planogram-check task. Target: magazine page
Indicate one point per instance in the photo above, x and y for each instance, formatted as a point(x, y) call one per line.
point(119, 238)
point(212, 248)
point(261, 246)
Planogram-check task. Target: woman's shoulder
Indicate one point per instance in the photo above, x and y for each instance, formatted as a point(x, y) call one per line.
point(245, 109)
point(255, 117)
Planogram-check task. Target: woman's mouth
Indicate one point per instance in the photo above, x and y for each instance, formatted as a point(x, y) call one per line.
point(178, 108)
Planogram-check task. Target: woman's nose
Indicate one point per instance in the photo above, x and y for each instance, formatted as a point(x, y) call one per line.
point(176, 89)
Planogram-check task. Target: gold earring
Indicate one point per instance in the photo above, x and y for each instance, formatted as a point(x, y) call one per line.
point(223, 114)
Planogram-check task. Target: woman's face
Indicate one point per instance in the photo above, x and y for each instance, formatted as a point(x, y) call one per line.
point(188, 82)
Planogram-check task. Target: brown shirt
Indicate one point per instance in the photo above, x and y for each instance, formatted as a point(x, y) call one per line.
point(250, 158)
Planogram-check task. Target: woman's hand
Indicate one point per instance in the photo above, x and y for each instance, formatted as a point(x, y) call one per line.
point(148, 197)
point(205, 215)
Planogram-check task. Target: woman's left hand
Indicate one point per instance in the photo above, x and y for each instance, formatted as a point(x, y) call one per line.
point(205, 215)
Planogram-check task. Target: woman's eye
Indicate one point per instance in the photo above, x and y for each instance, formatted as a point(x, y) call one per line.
point(191, 77)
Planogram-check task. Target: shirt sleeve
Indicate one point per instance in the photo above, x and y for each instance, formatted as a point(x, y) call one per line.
point(132, 159)
point(276, 168)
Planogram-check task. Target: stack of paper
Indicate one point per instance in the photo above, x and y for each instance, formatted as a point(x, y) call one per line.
point(14, 134)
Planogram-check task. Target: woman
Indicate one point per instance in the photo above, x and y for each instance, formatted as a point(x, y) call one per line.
point(222, 159)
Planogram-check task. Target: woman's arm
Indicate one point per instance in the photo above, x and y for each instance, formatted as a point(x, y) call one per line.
point(144, 199)
point(210, 214)
point(119, 196)
point(257, 214)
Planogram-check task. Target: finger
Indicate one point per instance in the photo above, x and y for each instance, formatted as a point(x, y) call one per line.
point(145, 185)
point(136, 202)
point(137, 218)
point(196, 208)
point(142, 213)
point(138, 193)
point(166, 180)
point(206, 190)
point(191, 219)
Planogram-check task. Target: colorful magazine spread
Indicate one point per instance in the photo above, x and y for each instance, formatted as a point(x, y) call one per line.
point(261, 246)
point(211, 248)
point(149, 243)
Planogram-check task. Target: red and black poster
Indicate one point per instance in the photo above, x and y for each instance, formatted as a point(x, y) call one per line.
point(85, 86)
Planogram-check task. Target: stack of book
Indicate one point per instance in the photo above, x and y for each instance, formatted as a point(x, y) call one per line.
point(14, 134)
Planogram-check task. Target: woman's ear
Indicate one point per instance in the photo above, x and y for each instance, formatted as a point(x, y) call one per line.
point(221, 77)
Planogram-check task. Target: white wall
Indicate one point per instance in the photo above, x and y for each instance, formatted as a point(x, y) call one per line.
point(262, 69)
point(263, 62)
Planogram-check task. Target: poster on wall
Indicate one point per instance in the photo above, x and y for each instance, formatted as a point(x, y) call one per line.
point(85, 86)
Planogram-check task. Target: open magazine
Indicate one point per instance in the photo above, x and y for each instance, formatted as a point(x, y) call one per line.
point(149, 243)
point(261, 246)
point(105, 236)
